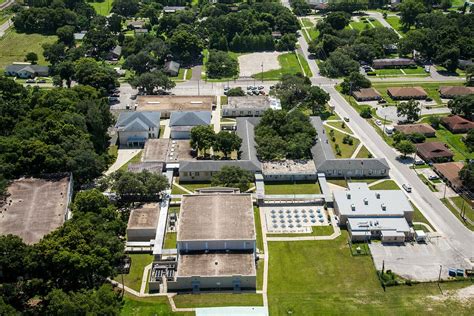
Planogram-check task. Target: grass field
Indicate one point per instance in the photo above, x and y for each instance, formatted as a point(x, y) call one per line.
point(191, 186)
point(102, 8)
point(341, 125)
point(430, 88)
point(427, 182)
point(170, 240)
point(326, 279)
point(14, 46)
point(292, 188)
point(346, 149)
point(218, 299)
point(134, 278)
point(456, 145)
point(148, 306)
point(258, 228)
point(385, 185)
point(409, 72)
point(463, 204)
point(394, 22)
point(363, 153)
point(449, 205)
point(316, 231)
point(176, 190)
point(289, 65)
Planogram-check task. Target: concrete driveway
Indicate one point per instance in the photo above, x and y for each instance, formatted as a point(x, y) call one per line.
point(124, 155)
point(391, 112)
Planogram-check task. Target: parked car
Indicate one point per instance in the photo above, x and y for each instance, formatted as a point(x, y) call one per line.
point(42, 81)
point(249, 87)
point(378, 122)
point(249, 93)
point(30, 81)
point(381, 101)
point(262, 92)
point(419, 162)
point(346, 119)
point(272, 87)
point(433, 177)
point(261, 87)
point(407, 187)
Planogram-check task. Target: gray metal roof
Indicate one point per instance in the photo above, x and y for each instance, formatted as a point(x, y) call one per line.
point(137, 121)
point(216, 165)
point(321, 150)
point(190, 118)
point(28, 67)
point(246, 131)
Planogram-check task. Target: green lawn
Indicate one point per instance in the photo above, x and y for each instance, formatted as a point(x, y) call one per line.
point(217, 300)
point(301, 187)
point(316, 231)
point(191, 186)
point(170, 240)
point(427, 182)
point(346, 149)
point(176, 190)
point(258, 228)
point(463, 204)
point(430, 88)
point(102, 8)
point(14, 46)
point(419, 217)
point(364, 153)
point(456, 213)
point(326, 279)
point(135, 159)
point(411, 72)
point(289, 65)
point(134, 278)
point(394, 21)
point(307, 22)
point(148, 306)
point(341, 125)
point(339, 182)
point(360, 26)
point(385, 185)
point(260, 267)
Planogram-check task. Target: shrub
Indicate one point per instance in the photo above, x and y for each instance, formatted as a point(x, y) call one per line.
point(366, 112)
point(350, 141)
point(371, 73)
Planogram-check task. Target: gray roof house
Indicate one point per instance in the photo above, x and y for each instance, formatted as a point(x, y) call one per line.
point(115, 53)
point(80, 36)
point(327, 163)
point(172, 68)
point(134, 128)
point(181, 123)
point(26, 70)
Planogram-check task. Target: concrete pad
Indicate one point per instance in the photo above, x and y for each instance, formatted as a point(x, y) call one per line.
point(251, 64)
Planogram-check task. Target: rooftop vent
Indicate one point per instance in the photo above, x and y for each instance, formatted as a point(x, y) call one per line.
point(377, 195)
point(353, 207)
point(384, 207)
point(366, 202)
point(348, 194)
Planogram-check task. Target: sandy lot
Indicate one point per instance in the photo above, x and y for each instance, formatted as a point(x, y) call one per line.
point(251, 64)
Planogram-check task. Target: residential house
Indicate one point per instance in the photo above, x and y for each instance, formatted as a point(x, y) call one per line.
point(134, 128)
point(434, 152)
point(449, 172)
point(407, 93)
point(457, 124)
point(115, 53)
point(173, 9)
point(422, 128)
point(367, 94)
point(181, 123)
point(171, 68)
point(26, 70)
point(140, 31)
point(450, 92)
point(80, 36)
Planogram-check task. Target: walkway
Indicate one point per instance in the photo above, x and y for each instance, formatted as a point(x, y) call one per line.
point(124, 155)
point(5, 26)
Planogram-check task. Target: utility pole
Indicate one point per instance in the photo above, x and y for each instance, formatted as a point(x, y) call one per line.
point(439, 278)
point(262, 71)
point(383, 130)
point(199, 92)
point(445, 185)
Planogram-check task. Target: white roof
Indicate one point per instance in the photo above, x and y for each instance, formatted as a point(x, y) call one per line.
point(384, 224)
point(360, 201)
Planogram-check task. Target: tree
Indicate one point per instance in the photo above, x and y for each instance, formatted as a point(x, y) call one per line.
point(366, 112)
point(354, 82)
point(405, 147)
point(470, 76)
point(114, 22)
point(137, 186)
point(185, 45)
point(317, 99)
point(434, 120)
point(462, 105)
point(66, 35)
point(88, 72)
point(227, 142)
point(338, 20)
point(446, 4)
point(449, 58)
point(292, 90)
point(469, 140)
point(339, 64)
point(14, 264)
point(221, 65)
point(125, 7)
point(202, 137)
point(410, 109)
point(409, 10)
point(31, 57)
point(467, 175)
point(141, 62)
point(153, 82)
point(236, 92)
point(287, 43)
point(233, 176)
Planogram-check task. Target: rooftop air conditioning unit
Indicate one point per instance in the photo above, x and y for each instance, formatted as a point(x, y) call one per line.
point(377, 195)
point(384, 207)
point(366, 201)
point(348, 194)
point(353, 207)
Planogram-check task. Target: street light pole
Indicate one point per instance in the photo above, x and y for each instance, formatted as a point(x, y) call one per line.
point(262, 71)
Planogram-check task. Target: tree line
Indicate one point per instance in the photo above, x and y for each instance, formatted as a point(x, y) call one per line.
point(203, 138)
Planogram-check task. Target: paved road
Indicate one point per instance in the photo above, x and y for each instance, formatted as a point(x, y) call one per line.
point(6, 4)
point(5, 26)
point(379, 17)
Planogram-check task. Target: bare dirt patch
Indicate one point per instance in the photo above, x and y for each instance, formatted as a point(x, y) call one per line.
point(252, 63)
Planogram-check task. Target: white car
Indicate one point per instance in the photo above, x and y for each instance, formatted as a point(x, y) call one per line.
point(378, 122)
point(407, 187)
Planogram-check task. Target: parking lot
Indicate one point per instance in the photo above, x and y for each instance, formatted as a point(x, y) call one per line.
point(419, 262)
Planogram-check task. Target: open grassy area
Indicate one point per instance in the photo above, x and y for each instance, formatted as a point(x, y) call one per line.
point(316, 231)
point(102, 8)
point(412, 72)
point(177, 190)
point(218, 299)
point(307, 22)
point(260, 267)
point(431, 88)
point(134, 278)
point(300, 187)
point(170, 240)
point(385, 185)
point(135, 159)
point(14, 46)
point(341, 125)
point(326, 279)
point(419, 217)
point(394, 22)
point(191, 186)
point(258, 228)
point(364, 153)
point(148, 306)
point(464, 204)
point(289, 65)
point(338, 182)
point(346, 149)
point(427, 182)
point(449, 205)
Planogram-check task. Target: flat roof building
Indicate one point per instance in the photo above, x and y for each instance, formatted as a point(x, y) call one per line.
point(142, 222)
point(167, 150)
point(166, 104)
point(249, 106)
point(371, 214)
point(393, 63)
point(35, 207)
